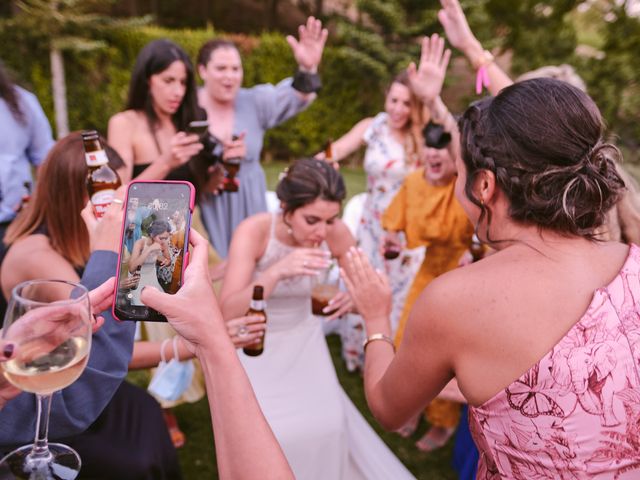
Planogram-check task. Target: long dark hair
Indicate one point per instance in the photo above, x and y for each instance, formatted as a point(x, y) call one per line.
point(9, 94)
point(542, 139)
point(154, 58)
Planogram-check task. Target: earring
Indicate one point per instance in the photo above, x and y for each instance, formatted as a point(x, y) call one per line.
point(290, 231)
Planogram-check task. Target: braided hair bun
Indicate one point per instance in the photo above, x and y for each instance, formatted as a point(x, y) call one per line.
point(542, 138)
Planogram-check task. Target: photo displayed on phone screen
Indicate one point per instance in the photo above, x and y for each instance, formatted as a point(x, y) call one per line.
point(153, 244)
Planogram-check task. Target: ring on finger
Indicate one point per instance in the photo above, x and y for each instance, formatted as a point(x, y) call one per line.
point(242, 331)
point(304, 263)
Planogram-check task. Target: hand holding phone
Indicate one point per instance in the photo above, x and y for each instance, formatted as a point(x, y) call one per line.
point(153, 245)
point(199, 127)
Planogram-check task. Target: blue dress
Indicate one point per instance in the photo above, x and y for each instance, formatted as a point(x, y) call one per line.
point(256, 110)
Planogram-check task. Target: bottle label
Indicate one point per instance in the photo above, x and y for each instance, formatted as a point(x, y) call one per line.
point(97, 158)
point(101, 201)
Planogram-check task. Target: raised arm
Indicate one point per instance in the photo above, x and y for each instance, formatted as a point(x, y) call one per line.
point(349, 142)
point(392, 398)
point(461, 37)
point(307, 49)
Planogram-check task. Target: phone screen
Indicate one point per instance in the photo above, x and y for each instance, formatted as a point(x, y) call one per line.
point(199, 127)
point(154, 245)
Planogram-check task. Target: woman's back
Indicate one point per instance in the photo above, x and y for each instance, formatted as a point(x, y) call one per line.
point(571, 351)
point(576, 412)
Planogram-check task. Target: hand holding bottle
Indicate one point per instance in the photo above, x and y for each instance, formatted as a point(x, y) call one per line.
point(182, 147)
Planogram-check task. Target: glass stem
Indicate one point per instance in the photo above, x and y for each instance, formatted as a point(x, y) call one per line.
point(40, 449)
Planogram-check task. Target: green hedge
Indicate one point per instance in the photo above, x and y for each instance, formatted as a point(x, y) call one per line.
point(97, 81)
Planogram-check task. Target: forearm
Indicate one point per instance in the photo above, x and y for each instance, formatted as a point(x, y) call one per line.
point(245, 445)
point(378, 357)
point(148, 354)
point(236, 304)
point(498, 79)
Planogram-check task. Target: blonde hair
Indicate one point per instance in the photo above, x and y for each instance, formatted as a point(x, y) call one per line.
point(564, 73)
point(413, 140)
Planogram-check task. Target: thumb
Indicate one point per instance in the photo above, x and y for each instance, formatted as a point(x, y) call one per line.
point(293, 43)
point(89, 218)
point(160, 301)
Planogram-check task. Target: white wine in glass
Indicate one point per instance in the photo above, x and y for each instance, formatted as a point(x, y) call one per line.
point(49, 322)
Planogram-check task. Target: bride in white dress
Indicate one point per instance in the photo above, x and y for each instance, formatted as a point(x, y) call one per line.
point(147, 252)
point(320, 431)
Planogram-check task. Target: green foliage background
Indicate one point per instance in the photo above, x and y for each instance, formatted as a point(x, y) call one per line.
point(98, 80)
point(361, 57)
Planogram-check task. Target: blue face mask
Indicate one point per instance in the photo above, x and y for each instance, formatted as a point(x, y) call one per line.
point(172, 378)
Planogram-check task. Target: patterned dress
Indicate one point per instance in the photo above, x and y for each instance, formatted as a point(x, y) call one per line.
point(386, 166)
point(576, 413)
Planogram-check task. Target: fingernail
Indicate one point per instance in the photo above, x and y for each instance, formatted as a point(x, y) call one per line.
point(8, 349)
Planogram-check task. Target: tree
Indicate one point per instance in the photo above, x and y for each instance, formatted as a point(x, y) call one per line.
point(65, 25)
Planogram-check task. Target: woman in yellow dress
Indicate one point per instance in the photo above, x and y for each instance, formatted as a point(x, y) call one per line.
point(426, 210)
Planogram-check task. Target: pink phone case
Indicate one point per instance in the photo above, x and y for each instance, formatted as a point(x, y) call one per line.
point(192, 200)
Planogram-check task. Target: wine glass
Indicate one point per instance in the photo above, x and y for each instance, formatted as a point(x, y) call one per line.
point(49, 322)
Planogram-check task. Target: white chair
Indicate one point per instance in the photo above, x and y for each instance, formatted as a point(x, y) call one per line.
point(353, 212)
point(273, 204)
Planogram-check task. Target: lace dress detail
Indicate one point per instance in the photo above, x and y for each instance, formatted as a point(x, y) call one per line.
point(576, 413)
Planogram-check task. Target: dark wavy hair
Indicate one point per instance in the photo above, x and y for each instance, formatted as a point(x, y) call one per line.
point(158, 227)
point(9, 94)
point(154, 58)
point(204, 54)
point(542, 139)
point(308, 180)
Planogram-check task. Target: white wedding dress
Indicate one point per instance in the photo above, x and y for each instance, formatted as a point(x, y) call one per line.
point(148, 278)
point(323, 435)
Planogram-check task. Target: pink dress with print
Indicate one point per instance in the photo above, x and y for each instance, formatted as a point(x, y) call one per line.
point(576, 413)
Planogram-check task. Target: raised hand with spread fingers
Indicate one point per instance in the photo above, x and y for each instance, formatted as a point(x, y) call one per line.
point(427, 79)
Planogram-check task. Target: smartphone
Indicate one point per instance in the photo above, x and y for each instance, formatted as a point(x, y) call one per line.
point(199, 127)
point(153, 245)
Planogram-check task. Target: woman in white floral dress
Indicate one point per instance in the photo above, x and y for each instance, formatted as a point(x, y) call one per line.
point(393, 140)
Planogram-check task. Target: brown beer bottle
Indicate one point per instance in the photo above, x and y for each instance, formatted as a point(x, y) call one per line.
point(231, 167)
point(328, 152)
point(102, 180)
point(256, 308)
point(476, 248)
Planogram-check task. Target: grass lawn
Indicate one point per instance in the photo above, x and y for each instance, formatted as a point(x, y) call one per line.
point(198, 457)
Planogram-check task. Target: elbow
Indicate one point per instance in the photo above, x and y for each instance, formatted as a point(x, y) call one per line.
point(386, 417)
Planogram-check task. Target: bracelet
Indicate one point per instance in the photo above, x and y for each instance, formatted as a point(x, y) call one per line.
point(378, 336)
point(306, 82)
point(485, 59)
point(482, 77)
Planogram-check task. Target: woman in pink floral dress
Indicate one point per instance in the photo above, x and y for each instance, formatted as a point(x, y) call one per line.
point(543, 337)
point(393, 140)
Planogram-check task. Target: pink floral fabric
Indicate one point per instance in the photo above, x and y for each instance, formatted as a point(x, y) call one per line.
point(576, 413)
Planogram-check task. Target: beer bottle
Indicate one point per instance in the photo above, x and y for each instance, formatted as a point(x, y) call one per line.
point(476, 248)
point(256, 308)
point(231, 167)
point(102, 180)
point(328, 152)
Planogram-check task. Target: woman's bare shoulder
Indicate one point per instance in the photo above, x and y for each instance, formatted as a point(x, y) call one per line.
point(31, 256)
point(256, 224)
